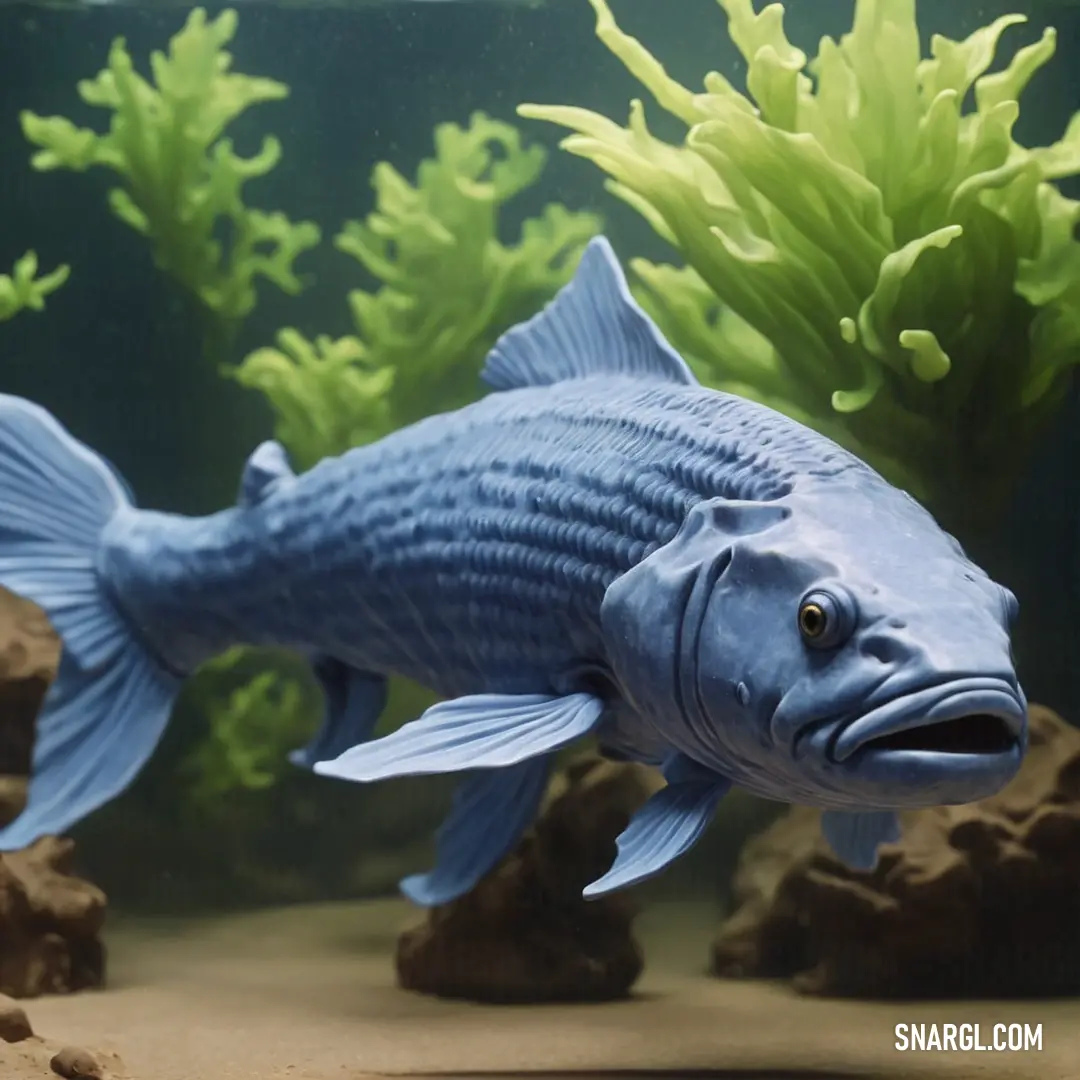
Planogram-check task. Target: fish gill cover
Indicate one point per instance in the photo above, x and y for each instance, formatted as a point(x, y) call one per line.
point(862, 250)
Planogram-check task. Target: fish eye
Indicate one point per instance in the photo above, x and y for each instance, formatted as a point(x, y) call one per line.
point(826, 619)
point(813, 620)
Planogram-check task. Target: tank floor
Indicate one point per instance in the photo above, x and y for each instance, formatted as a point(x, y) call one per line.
point(309, 994)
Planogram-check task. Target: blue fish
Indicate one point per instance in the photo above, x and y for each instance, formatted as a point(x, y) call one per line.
point(602, 547)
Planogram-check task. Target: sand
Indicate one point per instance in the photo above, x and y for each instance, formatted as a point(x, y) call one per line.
point(309, 994)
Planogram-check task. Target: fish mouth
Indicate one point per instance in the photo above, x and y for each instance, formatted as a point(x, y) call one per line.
point(970, 717)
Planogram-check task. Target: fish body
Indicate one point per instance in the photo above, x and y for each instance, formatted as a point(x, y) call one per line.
point(602, 547)
point(470, 552)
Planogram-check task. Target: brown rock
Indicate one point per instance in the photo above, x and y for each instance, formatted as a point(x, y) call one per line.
point(13, 792)
point(977, 900)
point(29, 647)
point(14, 1023)
point(20, 700)
point(50, 922)
point(75, 1064)
point(29, 653)
point(525, 934)
point(19, 704)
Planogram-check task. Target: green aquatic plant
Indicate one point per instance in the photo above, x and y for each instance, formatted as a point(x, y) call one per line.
point(182, 182)
point(325, 396)
point(449, 287)
point(256, 715)
point(22, 289)
point(862, 249)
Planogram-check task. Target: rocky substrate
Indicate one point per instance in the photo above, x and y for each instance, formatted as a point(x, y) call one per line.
point(23, 1053)
point(975, 901)
point(525, 934)
point(50, 923)
point(50, 920)
point(29, 653)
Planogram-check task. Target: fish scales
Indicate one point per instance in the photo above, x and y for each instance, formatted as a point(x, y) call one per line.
point(486, 538)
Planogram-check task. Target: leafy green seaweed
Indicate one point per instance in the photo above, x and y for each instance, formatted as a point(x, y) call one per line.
point(23, 289)
point(449, 287)
point(863, 251)
point(326, 396)
point(256, 715)
point(182, 181)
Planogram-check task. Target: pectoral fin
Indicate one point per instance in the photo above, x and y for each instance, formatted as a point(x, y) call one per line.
point(666, 827)
point(855, 837)
point(484, 731)
point(491, 810)
point(354, 702)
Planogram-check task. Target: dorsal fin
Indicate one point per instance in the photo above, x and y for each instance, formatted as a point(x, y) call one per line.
point(267, 466)
point(594, 326)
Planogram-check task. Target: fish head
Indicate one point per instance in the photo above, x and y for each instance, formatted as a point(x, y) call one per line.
point(844, 653)
point(872, 661)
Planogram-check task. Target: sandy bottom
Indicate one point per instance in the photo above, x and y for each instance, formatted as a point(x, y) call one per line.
point(309, 994)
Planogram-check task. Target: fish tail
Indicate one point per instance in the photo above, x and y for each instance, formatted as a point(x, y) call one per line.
point(111, 699)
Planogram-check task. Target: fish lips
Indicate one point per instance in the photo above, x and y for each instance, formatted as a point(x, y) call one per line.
point(983, 718)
